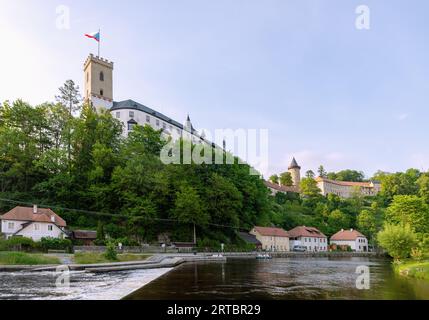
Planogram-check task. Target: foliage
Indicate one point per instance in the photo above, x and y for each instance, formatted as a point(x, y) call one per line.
point(22, 258)
point(56, 244)
point(411, 210)
point(111, 253)
point(309, 187)
point(93, 258)
point(397, 240)
point(286, 179)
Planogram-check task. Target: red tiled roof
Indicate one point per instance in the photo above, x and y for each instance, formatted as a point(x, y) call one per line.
point(305, 232)
point(347, 183)
point(271, 232)
point(346, 235)
point(280, 188)
point(26, 214)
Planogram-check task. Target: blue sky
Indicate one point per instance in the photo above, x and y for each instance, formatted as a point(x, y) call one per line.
point(328, 93)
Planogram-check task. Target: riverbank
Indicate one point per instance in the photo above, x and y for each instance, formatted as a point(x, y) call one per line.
point(414, 269)
point(10, 258)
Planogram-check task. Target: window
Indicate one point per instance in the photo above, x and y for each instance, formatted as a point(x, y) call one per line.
point(101, 76)
point(178, 131)
point(11, 225)
point(171, 128)
point(36, 227)
point(87, 76)
point(101, 92)
point(50, 228)
point(118, 115)
point(157, 123)
point(131, 114)
point(130, 126)
point(164, 126)
point(147, 119)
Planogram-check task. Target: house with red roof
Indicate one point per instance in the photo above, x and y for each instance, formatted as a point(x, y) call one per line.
point(272, 239)
point(350, 238)
point(309, 237)
point(35, 223)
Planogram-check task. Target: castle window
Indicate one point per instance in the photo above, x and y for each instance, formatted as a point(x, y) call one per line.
point(101, 92)
point(157, 123)
point(147, 119)
point(164, 126)
point(130, 126)
point(101, 76)
point(131, 114)
point(87, 76)
point(118, 115)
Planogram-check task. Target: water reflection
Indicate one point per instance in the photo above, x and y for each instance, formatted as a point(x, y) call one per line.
point(292, 278)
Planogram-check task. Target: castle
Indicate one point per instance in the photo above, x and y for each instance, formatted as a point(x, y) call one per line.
point(99, 92)
point(295, 171)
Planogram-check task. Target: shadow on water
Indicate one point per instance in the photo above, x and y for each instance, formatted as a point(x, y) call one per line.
point(289, 278)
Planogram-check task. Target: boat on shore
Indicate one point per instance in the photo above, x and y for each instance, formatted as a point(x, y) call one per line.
point(264, 256)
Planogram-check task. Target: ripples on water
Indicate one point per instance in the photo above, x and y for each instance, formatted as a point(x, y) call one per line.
point(83, 286)
point(291, 278)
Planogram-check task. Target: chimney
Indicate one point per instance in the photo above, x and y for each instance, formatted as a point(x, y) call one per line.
point(34, 208)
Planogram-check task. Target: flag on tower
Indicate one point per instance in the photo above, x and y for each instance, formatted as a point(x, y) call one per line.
point(94, 35)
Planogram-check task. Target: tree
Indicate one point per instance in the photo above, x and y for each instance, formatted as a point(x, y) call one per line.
point(410, 210)
point(69, 96)
point(286, 179)
point(397, 240)
point(310, 174)
point(309, 188)
point(188, 208)
point(423, 183)
point(322, 172)
point(368, 223)
point(338, 220)
point(274, 179)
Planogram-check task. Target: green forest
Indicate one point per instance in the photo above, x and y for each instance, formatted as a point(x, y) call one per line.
point(68, 157)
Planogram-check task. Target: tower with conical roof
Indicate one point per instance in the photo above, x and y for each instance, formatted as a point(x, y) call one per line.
point(295, 171)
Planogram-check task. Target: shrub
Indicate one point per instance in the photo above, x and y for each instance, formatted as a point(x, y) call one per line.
point(397, 240)
point(56, 244)
point(111, 253)
point(19, 244)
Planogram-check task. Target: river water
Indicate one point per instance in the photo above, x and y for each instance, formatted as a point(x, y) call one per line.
point(289, 278)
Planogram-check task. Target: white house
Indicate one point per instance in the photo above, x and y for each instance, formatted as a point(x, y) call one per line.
point(309, 237)
point(35, 223)
point(345, 189)
point(351, 238)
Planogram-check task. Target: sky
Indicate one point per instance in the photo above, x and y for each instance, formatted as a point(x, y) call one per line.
point(327, 92)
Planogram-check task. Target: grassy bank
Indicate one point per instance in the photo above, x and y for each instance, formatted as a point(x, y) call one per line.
point(22, 258)
point(414, 269)
point(91, 258)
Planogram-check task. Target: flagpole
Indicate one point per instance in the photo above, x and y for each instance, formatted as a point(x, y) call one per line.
point(99, 34)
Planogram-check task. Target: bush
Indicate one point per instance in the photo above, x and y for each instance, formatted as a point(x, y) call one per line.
point(111, 253)
point(19, 244)
point(56, 244)
point(397, 240)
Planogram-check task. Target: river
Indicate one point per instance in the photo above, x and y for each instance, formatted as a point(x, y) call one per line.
point(283, 278)
point(288, 278)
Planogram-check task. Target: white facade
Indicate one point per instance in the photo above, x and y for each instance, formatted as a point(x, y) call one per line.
point(34, 230)
point(358, 245)
point(345, 189)
point(311, 243)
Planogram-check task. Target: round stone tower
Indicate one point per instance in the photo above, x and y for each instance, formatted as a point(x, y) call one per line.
point(295, 171)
